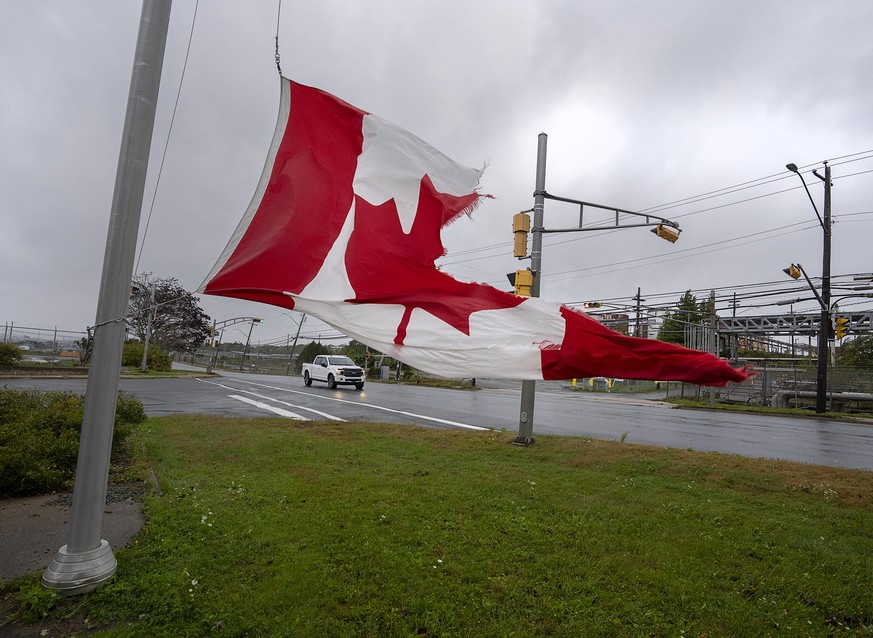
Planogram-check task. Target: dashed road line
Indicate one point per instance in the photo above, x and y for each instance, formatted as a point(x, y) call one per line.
point(270, 408)
point(456, 424)
point(325, 415)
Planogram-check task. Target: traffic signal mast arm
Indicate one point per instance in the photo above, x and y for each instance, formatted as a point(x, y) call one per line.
point(794, 271)
point(662, 225)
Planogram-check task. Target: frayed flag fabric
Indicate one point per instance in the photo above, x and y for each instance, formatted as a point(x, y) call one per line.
point(345, 225)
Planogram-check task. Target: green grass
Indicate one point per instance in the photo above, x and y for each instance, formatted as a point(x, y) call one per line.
point(703, 404)
point(276, 528)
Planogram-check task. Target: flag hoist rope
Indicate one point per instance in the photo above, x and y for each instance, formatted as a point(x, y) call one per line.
point(278, 19)
point(167, 141)
point(163, 157)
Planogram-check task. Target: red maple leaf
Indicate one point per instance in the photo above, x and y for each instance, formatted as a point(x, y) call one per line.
point(387, 266)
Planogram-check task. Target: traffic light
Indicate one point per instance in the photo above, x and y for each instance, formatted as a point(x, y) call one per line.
point(665, 232)
point(792, 271)
point(520, 229)
point(842, 327)
point(521, 280)
point(592, 304)
point(256, 320)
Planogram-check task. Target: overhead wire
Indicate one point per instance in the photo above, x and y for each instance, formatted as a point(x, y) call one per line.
point(762, 181)
point(167, 141)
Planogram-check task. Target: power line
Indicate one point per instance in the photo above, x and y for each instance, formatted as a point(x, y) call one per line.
point(762, 181)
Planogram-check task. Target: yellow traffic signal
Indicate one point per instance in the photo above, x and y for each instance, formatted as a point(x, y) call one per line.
point(665, 232)
point(520, 228)
point(842, 327)
point(522, 280)
point(792, 271)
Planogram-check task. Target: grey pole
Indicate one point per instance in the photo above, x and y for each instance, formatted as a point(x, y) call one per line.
point(294, 347)
point(145, 346)
point(87, 560)
point(712, 345)
point(528, 388)
point(638, 299)
point(246, 349)
point(825, 326)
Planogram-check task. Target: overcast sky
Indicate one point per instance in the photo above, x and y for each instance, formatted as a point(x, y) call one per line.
point(644, 102)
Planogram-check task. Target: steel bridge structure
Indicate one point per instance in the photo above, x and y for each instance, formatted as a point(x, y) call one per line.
point(791, 324)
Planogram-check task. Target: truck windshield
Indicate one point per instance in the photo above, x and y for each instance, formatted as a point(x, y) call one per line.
point(341, 361)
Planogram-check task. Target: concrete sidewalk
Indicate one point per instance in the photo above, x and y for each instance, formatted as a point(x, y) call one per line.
point(33, 528)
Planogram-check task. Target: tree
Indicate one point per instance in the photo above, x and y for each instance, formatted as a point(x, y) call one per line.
point(356, 351)
point(857, 353)
point(10, 354)
point(688, 312)
point(310, 351)
point(178, 323)
point(156, 360)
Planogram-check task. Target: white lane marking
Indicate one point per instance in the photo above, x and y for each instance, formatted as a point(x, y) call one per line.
point(290, 405)
point(373, 406)
point(264, 406)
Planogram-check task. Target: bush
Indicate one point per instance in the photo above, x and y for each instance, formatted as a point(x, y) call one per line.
point(10, 354)
point(157, 359)
point(39, 437)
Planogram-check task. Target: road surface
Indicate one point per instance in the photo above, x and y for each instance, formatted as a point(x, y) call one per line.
point(557, 411)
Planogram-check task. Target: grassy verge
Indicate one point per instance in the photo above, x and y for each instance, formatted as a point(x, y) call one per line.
point(430, 382)
point(277, 528)
point(131, 372)
point(763, 409)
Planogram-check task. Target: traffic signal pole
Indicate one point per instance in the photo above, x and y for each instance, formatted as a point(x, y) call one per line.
point(663, 228)
point(528, 387)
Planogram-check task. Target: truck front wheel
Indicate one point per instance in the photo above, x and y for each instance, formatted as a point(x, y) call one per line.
point(307, 380)
point(359, 386)
point(331, 382)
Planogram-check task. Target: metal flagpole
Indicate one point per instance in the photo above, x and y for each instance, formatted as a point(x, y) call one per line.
point(87, 560)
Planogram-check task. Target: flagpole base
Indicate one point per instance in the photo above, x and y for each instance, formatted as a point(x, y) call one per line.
point(524, 441)
point(72, 573)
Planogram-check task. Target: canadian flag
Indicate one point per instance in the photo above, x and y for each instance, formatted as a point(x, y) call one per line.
point(345, 225)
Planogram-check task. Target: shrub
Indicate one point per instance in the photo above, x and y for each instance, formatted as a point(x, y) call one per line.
point(39, 437)
point(157, 359)
point(10, 354)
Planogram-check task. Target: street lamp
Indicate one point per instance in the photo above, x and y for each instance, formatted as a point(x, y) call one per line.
point(218, 326)
point(825, 297)
point(254, 320)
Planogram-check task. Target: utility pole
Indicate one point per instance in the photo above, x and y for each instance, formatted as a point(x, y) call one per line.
point(734, 337)
point(145, 348)
point(529, 387)
point(713, 340)
point(825, 327)
point(638, 299)
point(821, 381)
point(87, 560)
point(246, 349)
point(294, 347)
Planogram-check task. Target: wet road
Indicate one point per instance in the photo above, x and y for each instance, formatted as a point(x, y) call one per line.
point(600, 416)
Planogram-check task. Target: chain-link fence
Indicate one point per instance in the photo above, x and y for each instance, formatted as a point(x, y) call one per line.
point(791, 384)
point(45, 345)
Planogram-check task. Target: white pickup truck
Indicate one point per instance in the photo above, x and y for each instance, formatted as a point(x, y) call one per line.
point(334, 370)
